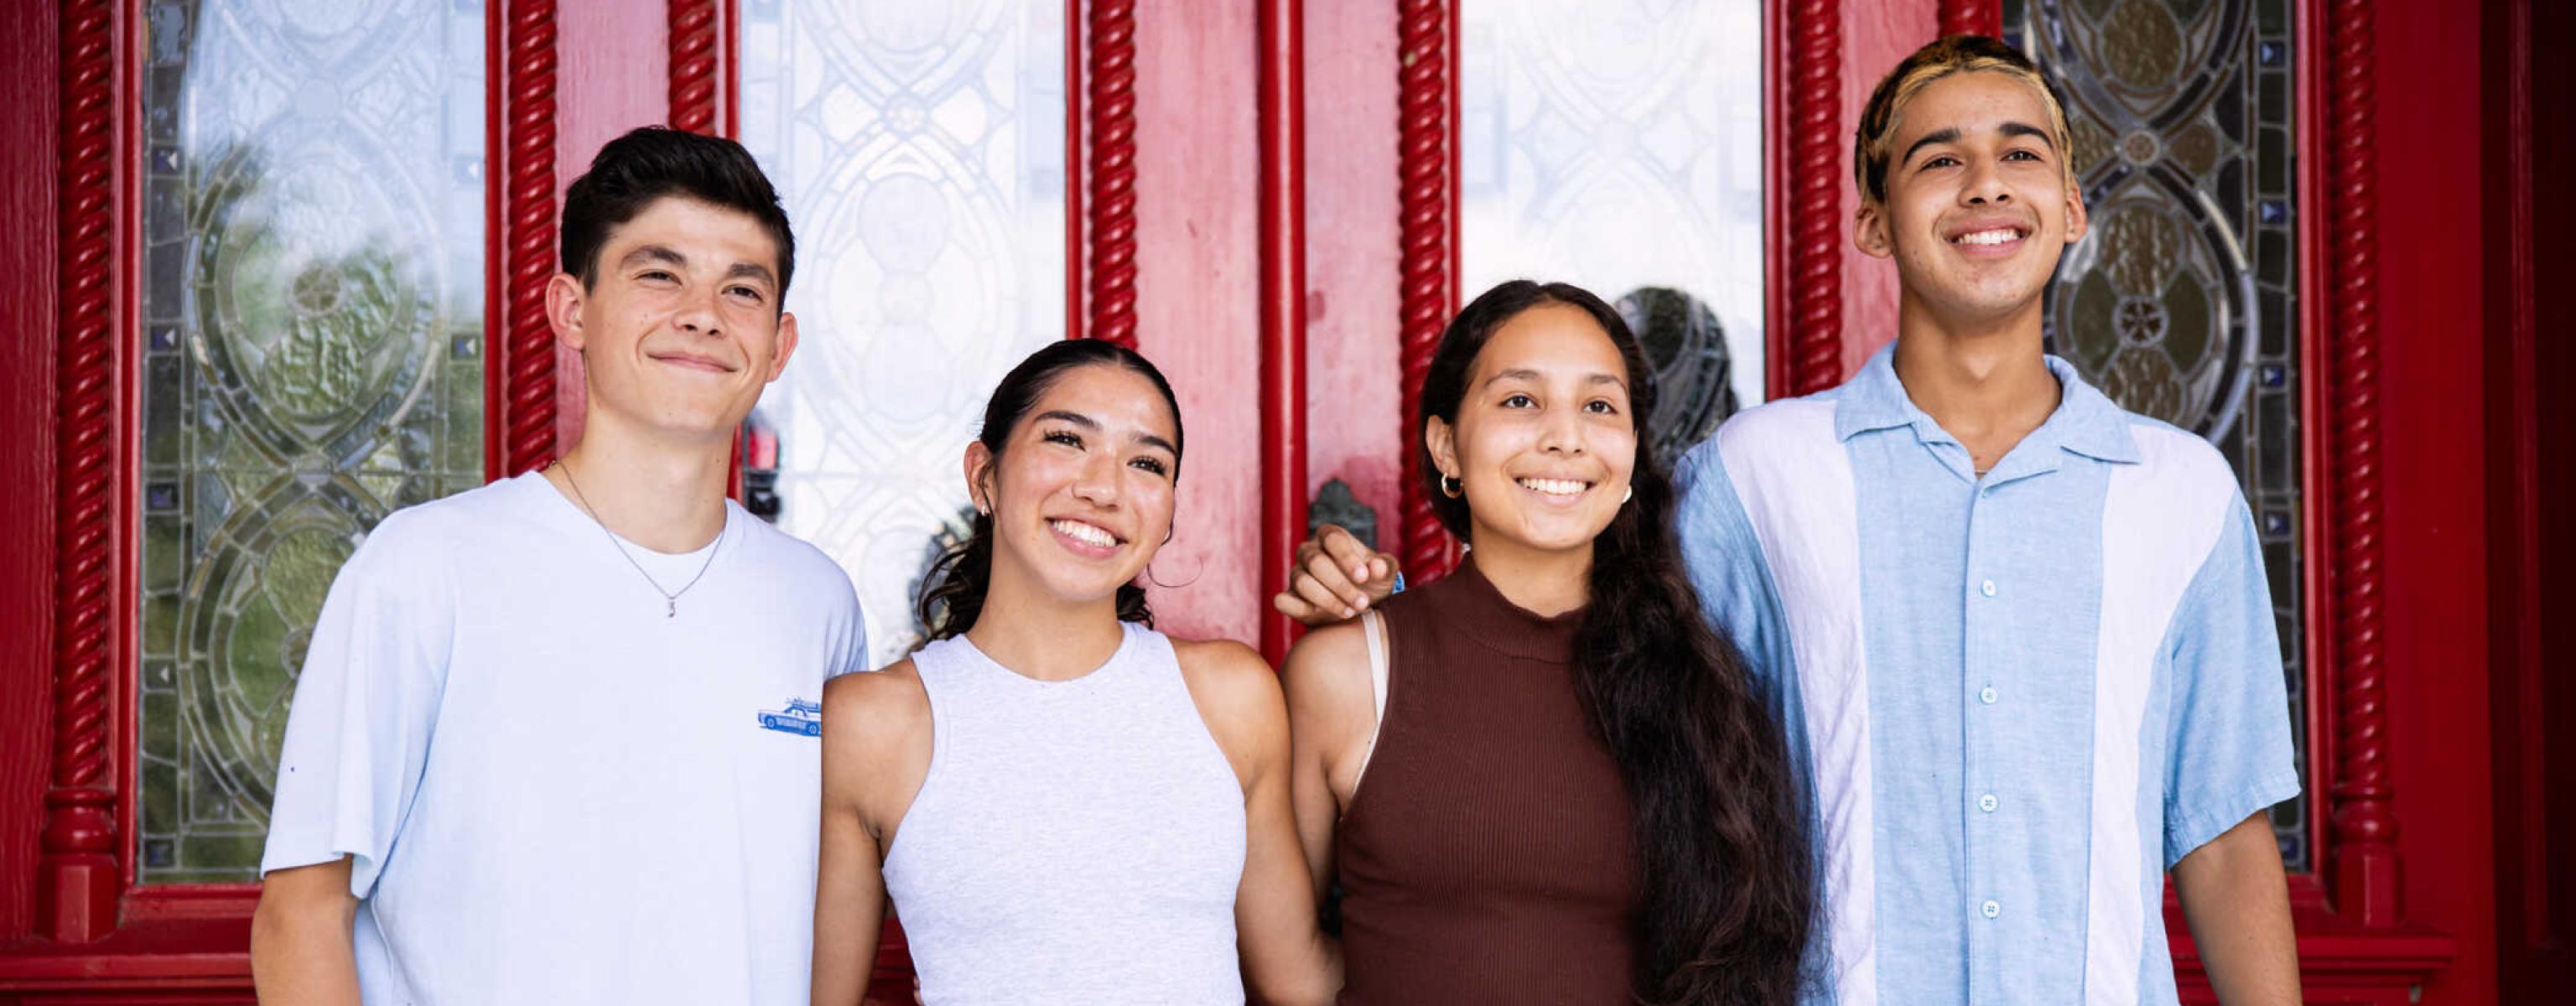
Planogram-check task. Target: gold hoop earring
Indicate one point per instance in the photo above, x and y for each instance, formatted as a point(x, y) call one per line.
point(1450, 487)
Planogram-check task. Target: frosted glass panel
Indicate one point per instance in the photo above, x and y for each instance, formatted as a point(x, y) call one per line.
point(1618, 146)
point(312, 358)
point(920, 149)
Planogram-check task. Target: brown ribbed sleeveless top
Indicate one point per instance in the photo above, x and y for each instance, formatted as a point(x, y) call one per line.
point(1487, 856)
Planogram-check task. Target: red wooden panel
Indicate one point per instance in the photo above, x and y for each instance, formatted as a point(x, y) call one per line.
point(1356, 430)
point(2534, 701)
point(1197, 296)
point(29, 107)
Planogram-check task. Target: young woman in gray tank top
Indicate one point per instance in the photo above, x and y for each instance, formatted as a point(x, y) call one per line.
point(1063, 805)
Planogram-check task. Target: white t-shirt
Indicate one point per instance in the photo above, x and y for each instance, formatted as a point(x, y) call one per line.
point(553, 793)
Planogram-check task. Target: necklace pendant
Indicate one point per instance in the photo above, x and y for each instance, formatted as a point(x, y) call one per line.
point(670, 607)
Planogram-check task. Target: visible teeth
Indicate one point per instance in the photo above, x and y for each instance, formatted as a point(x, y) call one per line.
point(1084, 532)
point(1556, 487)
point(1993, 237)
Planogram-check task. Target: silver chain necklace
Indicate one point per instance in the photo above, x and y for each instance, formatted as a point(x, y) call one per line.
point(670, 598)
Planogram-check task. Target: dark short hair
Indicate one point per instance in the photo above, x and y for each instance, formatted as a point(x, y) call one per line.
point(652, 163)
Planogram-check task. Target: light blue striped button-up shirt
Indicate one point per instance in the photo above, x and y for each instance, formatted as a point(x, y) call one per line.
point(2016, 700)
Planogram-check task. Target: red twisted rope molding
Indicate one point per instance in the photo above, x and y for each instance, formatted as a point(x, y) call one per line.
point(1426, 116)
point(79, 841)
point(528, 221)
point(693, 66)
point(1110, 97)
point(2365, 822)
point(1816, 178)
point(1971, 17)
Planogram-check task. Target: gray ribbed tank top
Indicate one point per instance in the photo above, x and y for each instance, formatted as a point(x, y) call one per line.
point(1074, 841)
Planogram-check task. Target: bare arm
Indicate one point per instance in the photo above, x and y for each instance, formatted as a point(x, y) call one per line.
point(1332, 718)
point(2237, 902)
point(1286, 958)
point(300, 949)
point(876, 750)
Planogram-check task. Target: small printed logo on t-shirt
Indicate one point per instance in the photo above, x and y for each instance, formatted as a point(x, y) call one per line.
point(802, 717)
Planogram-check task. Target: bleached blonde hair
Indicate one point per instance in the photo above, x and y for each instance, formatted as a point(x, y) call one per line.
point(1947, 57)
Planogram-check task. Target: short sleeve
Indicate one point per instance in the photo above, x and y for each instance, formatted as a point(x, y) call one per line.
point(365, 706)
point(2227, 747)
point(1724, 560)
point(851, 649)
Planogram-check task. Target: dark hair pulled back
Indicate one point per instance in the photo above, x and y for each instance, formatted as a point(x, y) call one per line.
point(1720, 830)
point(952, 591)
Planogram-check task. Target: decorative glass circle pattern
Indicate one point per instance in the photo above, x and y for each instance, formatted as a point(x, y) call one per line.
point(2180, 304)
point(311, 354)
point(920, 150)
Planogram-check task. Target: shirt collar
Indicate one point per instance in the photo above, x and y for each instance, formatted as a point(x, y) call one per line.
point(2086, 421)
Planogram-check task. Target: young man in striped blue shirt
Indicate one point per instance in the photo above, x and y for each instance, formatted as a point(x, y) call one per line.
point(2021, 639)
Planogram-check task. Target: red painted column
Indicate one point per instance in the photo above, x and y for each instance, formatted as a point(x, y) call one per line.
point(1282, 92)
point(80, 873)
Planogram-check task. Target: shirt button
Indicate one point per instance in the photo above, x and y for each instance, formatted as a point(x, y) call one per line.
point(1986, 695)
point(1987, 588)
point(1990, 909)
point(1987, 803)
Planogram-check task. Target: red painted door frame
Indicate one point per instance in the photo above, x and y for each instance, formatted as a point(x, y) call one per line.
point(1186, 222)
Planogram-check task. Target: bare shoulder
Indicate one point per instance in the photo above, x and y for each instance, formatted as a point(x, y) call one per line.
point(1238, 698)
point(881, 697)
point(1226, 672)
point(1332, 660)
point(876, 742)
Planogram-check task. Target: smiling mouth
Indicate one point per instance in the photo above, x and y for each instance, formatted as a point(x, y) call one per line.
point(1087, 534)
point(1990, 236)
point(1554, 487)
point(693, 363)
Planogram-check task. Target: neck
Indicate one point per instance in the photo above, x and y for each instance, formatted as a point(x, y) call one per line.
point(1039, 635)
point(1984, 380)
point(1543, 582)
point(663, 495)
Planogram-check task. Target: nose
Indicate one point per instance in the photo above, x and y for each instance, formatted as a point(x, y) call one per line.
point(697, 314)
point(1096, 482)
point(1562, 433)
point(1985, 186)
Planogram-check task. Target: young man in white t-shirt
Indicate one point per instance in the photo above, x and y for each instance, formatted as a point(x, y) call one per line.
point(556, 738)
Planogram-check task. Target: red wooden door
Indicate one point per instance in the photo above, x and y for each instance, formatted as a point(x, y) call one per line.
point(1280, 202)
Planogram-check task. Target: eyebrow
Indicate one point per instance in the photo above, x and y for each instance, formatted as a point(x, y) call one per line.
point(1087, 423)
point(1951, 135)
point(665, 255)
point(653, 253)
point(1526, 374)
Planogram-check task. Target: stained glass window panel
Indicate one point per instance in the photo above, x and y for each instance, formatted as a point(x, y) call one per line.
point(920, 150)
point(2181, 304)
point(311, 346)
point(1618, 146)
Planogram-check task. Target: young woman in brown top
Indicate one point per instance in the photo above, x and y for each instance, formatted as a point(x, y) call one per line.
point(1572, 794)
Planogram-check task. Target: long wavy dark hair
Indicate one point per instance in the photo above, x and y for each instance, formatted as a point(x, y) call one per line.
point(1720, 832)
point(952, 589)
